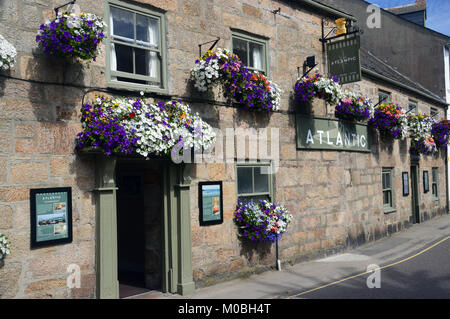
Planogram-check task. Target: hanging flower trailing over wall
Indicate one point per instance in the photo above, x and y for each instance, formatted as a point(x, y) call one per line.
point(262, 220)
point(353, 107)
point(127, 126)
point(419, 127)
point(441, 132)
point(5, 246)
point(317, 85)
point(7, 54)
point(71, 35)
point(390, 120)
point(237, 82)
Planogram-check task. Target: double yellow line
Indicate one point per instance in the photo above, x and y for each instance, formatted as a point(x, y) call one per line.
point(370, 271)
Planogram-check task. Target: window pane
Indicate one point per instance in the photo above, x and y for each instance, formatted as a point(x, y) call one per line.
point(146, 62)
point(122, 23)
point(434, 191)
point(240, 49)
point(261, 181)
point(244, 179)
point(386, 198)
point(124, 58)
point(256, 56)
point(386, 180)
point(434, 175)
point(246, 199)
point(147, 31)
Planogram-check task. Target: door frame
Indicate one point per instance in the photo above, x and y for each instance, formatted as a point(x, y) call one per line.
point(177, 261)
point(415, 193)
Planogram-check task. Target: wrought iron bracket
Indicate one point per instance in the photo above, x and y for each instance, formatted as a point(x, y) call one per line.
point(212, 46)
point(57, 8)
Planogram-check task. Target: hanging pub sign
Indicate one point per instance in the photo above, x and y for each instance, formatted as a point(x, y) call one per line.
point(210, 203)
point(344, 60)
point(51, 216)
point(331, 134)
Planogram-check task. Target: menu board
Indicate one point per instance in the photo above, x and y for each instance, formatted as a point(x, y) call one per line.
point(210, 203)
point(51, 216)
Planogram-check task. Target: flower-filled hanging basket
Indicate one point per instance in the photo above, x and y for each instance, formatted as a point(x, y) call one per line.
point(441, 132)
point(262, 221)
point(390, 120)
point(420, 127)
point(133, 126)
point(72, 36)
point(354, 108)
point(5, 246)
point(238, 84)
point(318, 86)
point(7, 54)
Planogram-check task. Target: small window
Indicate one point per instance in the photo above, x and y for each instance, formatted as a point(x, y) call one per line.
point(434, 182)
point(253, 182)
point(135, 54)
point(388, 196)
point(384, 97)
point(434, 113)
point(412, 107)
point(251, 51)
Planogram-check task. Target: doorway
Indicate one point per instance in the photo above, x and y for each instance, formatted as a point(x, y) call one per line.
point(139, 227)
point(415, 194)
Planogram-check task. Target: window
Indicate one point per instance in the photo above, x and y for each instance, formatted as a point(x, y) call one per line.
point(251, 51)
point(135, 47)
point(384, 97)
point(434, 113)
point(434, 183)
point(388, 196)
point(412, 107)
point(252, 183)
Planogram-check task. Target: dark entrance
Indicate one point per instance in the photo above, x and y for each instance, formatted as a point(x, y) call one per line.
point(139, 227)
point(415, 194)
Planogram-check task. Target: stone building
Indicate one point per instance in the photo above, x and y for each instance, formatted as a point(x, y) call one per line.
point(141, 217)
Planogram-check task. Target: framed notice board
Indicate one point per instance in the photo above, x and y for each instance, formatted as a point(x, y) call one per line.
point(210, 203)
point(50, 216)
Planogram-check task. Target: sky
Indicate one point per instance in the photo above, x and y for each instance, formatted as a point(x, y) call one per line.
point(438, 12)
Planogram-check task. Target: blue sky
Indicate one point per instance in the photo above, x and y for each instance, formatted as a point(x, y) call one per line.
point(438, 12)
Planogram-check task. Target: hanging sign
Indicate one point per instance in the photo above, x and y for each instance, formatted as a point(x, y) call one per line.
point(344, 60)
point(51, 216)
point(331, 134)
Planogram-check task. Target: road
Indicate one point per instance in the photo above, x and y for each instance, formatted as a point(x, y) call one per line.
point(423, 274)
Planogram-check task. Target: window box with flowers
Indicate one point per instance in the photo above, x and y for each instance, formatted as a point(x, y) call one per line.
point(72, 35)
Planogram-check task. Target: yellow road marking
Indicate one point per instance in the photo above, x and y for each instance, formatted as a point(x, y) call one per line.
point(370, 271)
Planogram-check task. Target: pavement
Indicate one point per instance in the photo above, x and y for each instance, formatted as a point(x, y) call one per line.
point(304, 280)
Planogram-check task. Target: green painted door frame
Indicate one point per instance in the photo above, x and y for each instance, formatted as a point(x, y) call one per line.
point(177, 261)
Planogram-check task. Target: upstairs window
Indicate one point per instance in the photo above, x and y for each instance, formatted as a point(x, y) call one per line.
point(412, 107)
point(251, 51)
point(434, 183)
point(384, 97)
point(434, 113)
point(388, 194)
point(136, 54)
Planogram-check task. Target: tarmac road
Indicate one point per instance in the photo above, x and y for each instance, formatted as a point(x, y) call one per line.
point(422, 275)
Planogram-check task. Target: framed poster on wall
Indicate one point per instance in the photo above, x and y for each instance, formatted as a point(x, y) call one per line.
point(50, 216)
point(405, 179)
point(426, 186)
point(210, 203)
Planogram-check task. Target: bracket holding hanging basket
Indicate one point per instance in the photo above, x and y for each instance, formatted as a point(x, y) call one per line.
point(212, 46)
point(69, 9)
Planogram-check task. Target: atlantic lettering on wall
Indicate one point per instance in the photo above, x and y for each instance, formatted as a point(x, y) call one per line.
point(321, 133)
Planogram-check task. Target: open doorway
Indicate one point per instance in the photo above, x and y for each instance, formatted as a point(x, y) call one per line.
point(139, 227)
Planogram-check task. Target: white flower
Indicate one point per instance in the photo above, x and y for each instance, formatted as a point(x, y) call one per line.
point(7, 54)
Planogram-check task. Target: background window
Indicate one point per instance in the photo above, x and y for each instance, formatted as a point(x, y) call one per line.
point(434, 182)
point(388, 198)
point(434, 113)
point(412, 107)
point(384, 96)
point(252, 184)
point(251, 51)
point(135, 47)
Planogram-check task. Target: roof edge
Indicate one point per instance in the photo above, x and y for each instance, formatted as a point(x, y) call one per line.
point(329, 9)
